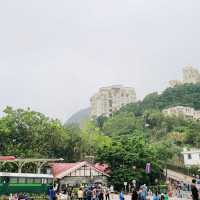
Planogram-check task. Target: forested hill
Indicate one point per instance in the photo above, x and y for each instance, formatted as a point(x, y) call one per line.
point(146, 117)
point(137, 134)
point(140, 133)
point(185, 95)
point(79, 117)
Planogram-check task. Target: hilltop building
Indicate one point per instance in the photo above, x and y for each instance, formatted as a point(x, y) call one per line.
point(190, 75)
point(184, 111)
point(191, 157)
point(111, 99)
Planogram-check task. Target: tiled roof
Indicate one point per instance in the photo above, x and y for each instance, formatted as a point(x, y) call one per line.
point(58, 168)
point(61, 169)
point(102, 167)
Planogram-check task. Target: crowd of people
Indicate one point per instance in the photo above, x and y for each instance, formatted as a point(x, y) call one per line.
point(92, 192)
point(100, 192)
point(144, 194)
point(175, 191)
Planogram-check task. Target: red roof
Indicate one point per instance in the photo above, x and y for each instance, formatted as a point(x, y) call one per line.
point(102, 167)
point(5, 158)
point(60, 168)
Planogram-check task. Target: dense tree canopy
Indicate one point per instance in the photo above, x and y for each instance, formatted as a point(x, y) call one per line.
point(25, 133)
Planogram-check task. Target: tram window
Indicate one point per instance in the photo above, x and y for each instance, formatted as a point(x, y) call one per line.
point(44, 181)
point(29, 180)
point(49, 181)
point(13, 180)
point(22, 180)
point(38, 180)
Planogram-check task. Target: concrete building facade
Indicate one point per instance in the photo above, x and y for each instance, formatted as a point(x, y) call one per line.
point(183, 111)
point(111, 99)
point(191, 157)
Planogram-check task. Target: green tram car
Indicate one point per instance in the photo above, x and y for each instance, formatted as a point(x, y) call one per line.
point(24, 183)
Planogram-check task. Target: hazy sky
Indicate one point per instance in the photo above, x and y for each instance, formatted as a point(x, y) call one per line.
point(54, 54)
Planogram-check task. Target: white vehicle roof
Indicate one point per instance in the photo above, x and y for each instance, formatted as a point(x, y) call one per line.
point(26, 175)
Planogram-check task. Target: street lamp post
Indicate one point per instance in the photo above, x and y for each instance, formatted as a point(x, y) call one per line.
point(125, 185)
point(134, 181)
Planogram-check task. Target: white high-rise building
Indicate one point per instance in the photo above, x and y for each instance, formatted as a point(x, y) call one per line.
point(111, 99)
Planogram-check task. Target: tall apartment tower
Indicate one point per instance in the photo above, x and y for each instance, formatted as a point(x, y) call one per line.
point(111, 99)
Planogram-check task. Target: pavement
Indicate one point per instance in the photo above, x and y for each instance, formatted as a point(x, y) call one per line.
point(179, 176)
point(186, 196)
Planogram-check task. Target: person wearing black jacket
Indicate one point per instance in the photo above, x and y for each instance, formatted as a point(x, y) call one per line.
point(195, 193)
point(134, 195)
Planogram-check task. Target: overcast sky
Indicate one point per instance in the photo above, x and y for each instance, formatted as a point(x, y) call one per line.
point(54, 54)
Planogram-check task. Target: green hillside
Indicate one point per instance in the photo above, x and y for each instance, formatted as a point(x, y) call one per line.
point(185, 95)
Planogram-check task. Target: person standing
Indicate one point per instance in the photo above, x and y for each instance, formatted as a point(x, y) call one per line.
point(101, 194)
point(80, 194)
point(134, 195)
point(156, 196)
point(89, 194)
point(107, 194)
point(94, 194)
point(112, 191)
point(140, 194)
point(51, 193)
point(121, 196)
point(195, 194)
point(166, 196)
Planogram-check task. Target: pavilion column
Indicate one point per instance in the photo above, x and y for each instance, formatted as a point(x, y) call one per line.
point(19, 169)
point(20, 164)
point(39, 166)
point(38, 170)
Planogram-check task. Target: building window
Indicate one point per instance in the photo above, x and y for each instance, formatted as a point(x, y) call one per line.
point(110, 103)
point(189, 156)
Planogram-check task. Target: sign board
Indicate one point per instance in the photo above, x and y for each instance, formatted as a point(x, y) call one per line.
point(125, 183)
point(148, 168)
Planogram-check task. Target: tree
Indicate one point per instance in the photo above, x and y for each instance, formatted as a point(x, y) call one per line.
point(124, 153)
point(92, 139)
point(121, 124)
point(26, 133)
